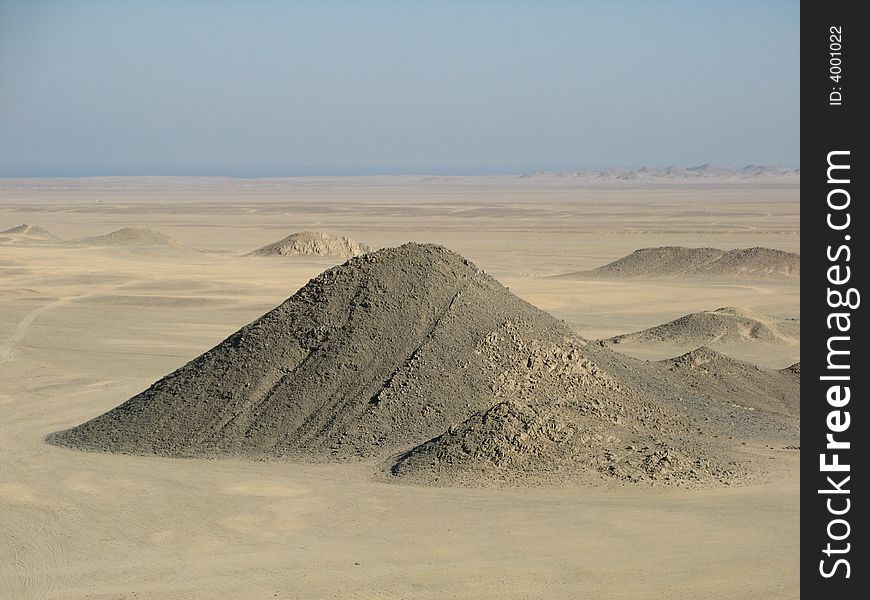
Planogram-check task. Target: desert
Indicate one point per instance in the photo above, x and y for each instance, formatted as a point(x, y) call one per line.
point(441, 413)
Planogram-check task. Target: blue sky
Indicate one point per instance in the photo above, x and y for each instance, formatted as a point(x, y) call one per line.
point(298, 88)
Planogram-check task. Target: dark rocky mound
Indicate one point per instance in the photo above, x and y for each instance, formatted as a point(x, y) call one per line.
point(32, 232)
point(793, 371)
point(513, 442)
point(313, 243)
point(131, 236)
point(679, 261)
point(757, 262)
point(719, 377)
point(414, 353)
point(367, 357)
point(721, 326)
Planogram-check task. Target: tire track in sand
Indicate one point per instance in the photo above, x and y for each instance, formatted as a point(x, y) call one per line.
point(7, 348)
point(28, 566)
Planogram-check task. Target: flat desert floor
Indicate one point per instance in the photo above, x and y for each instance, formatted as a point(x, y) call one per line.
point(83, 328)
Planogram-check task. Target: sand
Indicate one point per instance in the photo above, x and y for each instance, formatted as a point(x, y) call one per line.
point(84, 329)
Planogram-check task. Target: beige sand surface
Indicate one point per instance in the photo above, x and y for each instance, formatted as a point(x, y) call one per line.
point(84, 328)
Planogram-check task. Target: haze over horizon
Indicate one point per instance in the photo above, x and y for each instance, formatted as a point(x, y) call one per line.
point(307, 88)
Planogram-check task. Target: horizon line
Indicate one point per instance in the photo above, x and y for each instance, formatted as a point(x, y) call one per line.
point(436, 172)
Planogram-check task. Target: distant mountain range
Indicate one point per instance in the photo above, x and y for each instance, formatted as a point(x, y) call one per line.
point(674, 172)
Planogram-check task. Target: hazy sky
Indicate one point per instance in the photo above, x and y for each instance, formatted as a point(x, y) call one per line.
point(252, 88)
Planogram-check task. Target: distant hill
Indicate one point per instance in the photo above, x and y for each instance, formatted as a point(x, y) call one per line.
point(30, 232)
point(131, 236)
point(720, 326)
point(708, 171)
point(313, 243)
point(679, 261)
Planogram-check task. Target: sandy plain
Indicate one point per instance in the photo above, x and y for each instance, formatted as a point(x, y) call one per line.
point(83, 328)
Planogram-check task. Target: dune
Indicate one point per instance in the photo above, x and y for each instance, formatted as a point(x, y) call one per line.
point(415, 359)
point(680, 261)
point(313, 243)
